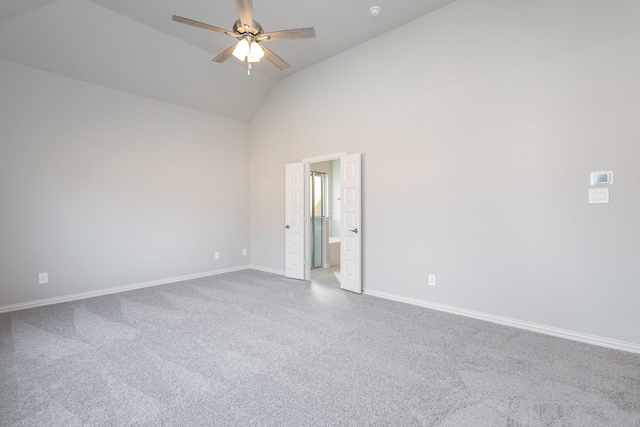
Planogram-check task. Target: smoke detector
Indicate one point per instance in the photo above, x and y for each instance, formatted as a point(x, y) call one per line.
point(375, 10)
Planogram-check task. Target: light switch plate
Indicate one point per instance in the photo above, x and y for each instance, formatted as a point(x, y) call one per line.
point(598, 195)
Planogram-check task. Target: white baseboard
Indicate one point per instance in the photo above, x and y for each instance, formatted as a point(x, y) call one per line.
point(267, 270)
point(91, 294)
point(534, 327)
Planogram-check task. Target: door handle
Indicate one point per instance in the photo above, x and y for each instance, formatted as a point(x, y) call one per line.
point(287, 227)
point(355, 230)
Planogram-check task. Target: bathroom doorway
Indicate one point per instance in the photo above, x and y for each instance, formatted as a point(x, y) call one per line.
point(343, 229)
point(324, 222)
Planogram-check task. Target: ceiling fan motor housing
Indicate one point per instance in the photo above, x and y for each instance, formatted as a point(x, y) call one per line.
point(255, 29)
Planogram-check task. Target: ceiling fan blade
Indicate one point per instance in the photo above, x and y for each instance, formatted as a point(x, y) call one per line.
point(226, 54)
point(245, 10)
point(275, 59)
point(298, 33)
point(201, 25)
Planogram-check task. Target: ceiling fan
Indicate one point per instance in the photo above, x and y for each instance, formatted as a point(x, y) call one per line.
point(250, 35)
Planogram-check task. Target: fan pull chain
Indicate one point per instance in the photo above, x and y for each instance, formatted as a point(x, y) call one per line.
point(249, 68)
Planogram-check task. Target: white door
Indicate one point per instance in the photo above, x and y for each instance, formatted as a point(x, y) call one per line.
point(294, 218)
point(351, 232)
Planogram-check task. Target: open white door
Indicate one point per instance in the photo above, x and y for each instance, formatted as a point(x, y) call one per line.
point(294, 217)
point(351, 232)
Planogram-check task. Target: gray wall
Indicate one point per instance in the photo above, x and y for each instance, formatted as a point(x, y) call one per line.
point(479, 125)
point(101, 188)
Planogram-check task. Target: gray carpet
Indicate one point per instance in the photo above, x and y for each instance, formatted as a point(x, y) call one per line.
point(251, 348)
point(327, 276)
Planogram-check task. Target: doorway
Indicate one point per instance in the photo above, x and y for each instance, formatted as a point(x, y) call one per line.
point(324, 222)
point(298, 212)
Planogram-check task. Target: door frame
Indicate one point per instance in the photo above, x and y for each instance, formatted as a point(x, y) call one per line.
point(307, 202)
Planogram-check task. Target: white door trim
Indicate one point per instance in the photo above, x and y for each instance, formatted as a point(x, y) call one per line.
point(325, 158)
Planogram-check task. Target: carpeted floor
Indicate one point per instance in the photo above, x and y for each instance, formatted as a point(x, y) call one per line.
point(326, 276)
point(252, 348)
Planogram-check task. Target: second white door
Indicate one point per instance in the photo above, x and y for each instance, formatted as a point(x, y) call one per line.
point(351, 227)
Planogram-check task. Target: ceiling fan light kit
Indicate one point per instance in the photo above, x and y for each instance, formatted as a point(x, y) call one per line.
point(250, 34)
point(256, 52)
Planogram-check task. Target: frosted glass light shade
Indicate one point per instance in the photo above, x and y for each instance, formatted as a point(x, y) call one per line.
point(242, 49)
point(255, 53)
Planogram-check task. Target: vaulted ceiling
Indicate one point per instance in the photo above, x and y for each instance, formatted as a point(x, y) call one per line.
point(134, 46)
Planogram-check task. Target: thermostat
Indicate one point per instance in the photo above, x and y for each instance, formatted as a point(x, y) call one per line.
point(602, 178)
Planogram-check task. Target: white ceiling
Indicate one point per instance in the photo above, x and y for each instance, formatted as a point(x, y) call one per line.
point(134, 46)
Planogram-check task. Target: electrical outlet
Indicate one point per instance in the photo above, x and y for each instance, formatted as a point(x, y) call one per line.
point(43, 278)
point(216, 255)
point(244, 252)
point(432, 280)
